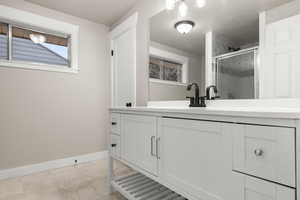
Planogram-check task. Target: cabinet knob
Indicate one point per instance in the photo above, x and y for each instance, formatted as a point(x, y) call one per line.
point(258, 152)
point(129, 104)
point(113, 145)
point(114, 123)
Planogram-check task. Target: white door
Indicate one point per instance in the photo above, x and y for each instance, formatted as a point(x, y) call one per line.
point(138, 142)
point(195, 158)
point(280, 71)
point(123, 46)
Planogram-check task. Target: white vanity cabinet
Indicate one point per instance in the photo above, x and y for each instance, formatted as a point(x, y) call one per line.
point(138, 141)
point(209, 159)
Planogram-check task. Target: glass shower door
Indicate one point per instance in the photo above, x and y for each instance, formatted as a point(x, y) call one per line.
point(236, 75)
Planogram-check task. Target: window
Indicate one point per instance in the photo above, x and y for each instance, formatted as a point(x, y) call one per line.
point(32, 41)
point(27, 47)
point(3, 41)
point(167, 67)
point(33, 46)
point(165, 70)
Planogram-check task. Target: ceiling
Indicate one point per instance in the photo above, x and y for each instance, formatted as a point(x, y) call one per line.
point(238, 20)
point(101, 11)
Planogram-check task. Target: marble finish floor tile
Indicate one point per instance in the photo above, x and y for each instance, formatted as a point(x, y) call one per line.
point(86, 181)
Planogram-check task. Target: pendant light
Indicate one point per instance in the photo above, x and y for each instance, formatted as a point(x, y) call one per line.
point(200, 3)
point(183, 8)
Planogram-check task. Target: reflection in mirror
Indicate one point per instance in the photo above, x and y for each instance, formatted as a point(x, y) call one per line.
point(165, 70)
point(176, 57)
point(217, 44)
point(235, 51)
point(236, 74)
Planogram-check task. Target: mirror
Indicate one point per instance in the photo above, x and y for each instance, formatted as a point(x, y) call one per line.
point(220, 35)
point(185, 52)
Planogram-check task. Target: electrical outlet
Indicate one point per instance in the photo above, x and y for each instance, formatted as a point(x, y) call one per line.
point(75, 163)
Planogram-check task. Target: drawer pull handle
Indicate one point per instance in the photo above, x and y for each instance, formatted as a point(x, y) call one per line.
point(157, 148)
point(114, 123)
point(152, 151)
point(258, 152)
point(113, 145)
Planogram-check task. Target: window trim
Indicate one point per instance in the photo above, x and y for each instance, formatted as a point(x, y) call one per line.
point(166, 55)
point(155, 80)
point(42, 24)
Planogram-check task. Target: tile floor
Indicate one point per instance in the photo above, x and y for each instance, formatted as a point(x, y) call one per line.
point(86, 181)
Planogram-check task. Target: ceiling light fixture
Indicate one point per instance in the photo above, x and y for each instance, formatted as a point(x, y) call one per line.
point(170, 4)
point(184, 27)
point(183, 8)
point(200, 3)
point(37, 38)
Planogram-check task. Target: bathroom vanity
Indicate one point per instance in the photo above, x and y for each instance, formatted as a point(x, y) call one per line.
point(207, 153)
point(243, 147)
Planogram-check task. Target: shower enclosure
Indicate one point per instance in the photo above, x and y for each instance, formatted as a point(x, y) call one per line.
point(236, 74)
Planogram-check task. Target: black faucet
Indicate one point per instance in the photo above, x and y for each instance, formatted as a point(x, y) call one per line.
point(195, 101)
point(208, 92)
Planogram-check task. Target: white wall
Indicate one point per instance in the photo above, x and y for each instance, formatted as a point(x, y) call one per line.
point(284, 11)
point(51, 115)
point(166, 92)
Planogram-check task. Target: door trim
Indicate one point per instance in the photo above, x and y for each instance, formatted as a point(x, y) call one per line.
point(129, 23)
point(262, 42)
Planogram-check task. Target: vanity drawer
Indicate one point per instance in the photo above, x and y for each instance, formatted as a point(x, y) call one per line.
point(265, 152)
point(115, 119)
point(256, 189)
point(115, 146)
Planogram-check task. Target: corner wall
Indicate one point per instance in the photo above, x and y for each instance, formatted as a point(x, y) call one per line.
point(50, 115)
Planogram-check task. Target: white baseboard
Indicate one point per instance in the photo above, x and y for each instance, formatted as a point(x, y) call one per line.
point(54, 164)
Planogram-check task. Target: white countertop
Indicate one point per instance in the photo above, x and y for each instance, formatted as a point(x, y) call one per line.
point(258, 112)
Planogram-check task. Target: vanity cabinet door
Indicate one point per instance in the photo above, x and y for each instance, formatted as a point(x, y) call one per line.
point(195, 158)
point(256, 189)
point(138, 142)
